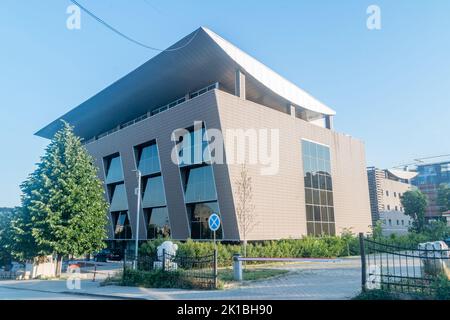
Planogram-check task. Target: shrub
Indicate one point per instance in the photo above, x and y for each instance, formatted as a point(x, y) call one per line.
point(155, 279)
point(306, 247)
point(442, 288)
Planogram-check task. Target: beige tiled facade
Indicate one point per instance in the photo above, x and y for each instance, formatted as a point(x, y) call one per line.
point(279, 199)
point(385, 195)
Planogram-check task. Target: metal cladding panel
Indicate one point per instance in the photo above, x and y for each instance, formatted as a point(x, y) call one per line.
point(160, 127)
point(204, 57)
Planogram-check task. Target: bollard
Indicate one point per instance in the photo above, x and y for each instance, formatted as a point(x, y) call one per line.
point(237, 267)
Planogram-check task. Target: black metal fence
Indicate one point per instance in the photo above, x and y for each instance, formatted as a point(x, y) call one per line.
point(194, 271)
point(9, 275)
point(393, 268)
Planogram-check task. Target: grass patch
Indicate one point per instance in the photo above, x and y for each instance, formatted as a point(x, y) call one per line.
point(375, 295)
point(250, 274)
point(440, 291)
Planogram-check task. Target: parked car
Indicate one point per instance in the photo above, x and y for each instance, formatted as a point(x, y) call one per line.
point(108, 254)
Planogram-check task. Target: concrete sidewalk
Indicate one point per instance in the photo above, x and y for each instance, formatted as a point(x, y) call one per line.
point(305, 281)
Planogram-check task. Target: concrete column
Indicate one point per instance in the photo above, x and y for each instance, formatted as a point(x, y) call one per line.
point(292, 111)
point(237, 267)
point(239, 88)
point(329, 122)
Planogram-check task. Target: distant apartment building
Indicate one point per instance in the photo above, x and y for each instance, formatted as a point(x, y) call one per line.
point(429, 178)
point(385, 190)
point(395, 222)
point(320, 187)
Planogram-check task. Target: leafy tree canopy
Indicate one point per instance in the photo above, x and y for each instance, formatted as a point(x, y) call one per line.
point(63, 206)
point(444, 197)
point(415, 204)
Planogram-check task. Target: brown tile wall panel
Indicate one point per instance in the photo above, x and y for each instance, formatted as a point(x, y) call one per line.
point(279, 199)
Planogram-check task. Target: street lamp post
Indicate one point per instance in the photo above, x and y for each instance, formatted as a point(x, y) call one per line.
point(138, 210)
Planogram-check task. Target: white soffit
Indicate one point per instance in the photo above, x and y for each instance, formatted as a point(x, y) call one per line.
point(270, 78)
point(401, 174)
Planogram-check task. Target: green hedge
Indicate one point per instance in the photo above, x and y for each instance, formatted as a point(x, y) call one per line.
point(307, 247)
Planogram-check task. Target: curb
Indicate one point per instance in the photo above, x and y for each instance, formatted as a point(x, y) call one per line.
point(113, 297)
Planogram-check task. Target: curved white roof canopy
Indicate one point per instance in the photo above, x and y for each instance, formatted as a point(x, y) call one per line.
point(401, 174)
point(270, 78)
point(204, 58)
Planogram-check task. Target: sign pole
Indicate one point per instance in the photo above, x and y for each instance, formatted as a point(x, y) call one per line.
point(215, 261)
point(214, 225)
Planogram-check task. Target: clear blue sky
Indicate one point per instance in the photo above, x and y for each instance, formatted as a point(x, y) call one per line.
point(390, 88)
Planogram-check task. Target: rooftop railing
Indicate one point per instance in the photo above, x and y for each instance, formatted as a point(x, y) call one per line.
point(151, 113)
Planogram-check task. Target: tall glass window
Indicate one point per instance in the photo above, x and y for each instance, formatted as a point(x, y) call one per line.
point(118, 197)
point(194, 150)
point(149, 159)
point(318, 189)
point(198, 184)
point(114, 172)
point(121, 223)
point(158, 225)
point(153, 195)
point(199, 214)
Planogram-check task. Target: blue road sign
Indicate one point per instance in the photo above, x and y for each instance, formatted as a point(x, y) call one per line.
point(214, 222)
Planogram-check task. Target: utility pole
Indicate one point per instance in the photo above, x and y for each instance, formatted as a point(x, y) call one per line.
point(138, 211)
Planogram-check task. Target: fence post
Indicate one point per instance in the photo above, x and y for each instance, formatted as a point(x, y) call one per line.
point(363, 261)
point(215, 268)
point(237, 267)
point(164, 260)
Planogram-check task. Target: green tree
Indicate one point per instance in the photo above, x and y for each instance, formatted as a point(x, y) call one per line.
point(415, 204)
point(6, 216)
point(64, 211)
point(443, 199)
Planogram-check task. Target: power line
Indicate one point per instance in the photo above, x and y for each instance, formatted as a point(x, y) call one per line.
point(107, 25)
point(147, 2)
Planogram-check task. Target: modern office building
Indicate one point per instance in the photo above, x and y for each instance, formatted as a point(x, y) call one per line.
point(430, 177)
point(320, 183)
point(385, 189)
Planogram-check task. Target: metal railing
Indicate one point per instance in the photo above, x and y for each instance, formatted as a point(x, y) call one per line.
point(402, 270)
point(198, 272)
point(154, 112)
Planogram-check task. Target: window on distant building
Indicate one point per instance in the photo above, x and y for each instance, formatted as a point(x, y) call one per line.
point(390, 222)
point(403, 222)
point(395, 194)
point(318, 189)
point(396, 208)
point(398, 222)
point(388, 207)
point(387, 193)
